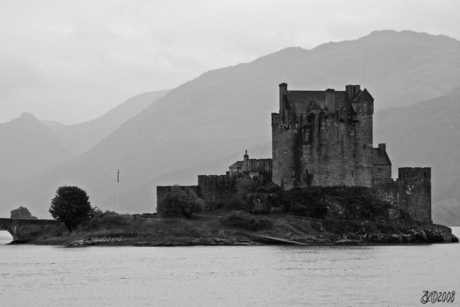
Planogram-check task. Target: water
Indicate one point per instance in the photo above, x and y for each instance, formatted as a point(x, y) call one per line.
point(226, 276)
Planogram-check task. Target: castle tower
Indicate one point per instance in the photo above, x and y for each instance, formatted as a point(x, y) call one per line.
point(414, 192)
point(323, 138)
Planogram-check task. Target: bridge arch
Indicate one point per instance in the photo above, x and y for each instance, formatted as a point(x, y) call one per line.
point(23, 230)
point(5, 237)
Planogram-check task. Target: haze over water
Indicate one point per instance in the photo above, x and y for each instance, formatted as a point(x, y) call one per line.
point(225, 276)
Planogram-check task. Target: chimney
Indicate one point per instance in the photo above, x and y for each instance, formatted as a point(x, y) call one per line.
point(383, 147)
point(330, 101)
point(283, 92)
point(246, 162)
point(352, 90)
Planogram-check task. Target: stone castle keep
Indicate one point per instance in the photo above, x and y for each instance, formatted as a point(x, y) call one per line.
point(325, 138)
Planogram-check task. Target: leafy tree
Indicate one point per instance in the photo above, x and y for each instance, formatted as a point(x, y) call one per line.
point(178, 202)
point(71, 205)
point(245, 186)
point(22, 213)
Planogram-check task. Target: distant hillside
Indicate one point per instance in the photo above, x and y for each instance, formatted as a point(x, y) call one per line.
point(228, 110)
point(28, 147)
point(79, 138)
point(54, 126)
point(427, 134)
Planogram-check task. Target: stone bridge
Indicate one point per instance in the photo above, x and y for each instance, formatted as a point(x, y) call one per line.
point(24, 229)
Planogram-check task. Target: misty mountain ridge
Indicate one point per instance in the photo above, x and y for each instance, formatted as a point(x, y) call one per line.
point(28, 147)
point(228, 110)
point(81, 137)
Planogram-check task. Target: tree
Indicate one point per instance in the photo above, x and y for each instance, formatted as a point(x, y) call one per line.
point(178, 202)
point(22, 213)
point(71, 205)
point(245, 186)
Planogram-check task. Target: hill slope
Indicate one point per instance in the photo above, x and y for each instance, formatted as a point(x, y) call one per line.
point(83, 136)
point(228, 110)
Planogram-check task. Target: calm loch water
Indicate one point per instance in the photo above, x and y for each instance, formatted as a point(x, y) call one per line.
point(226, 276)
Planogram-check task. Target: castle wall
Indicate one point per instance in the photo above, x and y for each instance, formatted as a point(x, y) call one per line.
point(410, 192)
point(415, 192)
point(217, 188)
point(381, 171)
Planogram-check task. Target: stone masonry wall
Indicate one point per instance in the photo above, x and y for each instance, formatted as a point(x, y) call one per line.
point(217, 188)
point(381, 171)
point(322, 149)
point(410, 192)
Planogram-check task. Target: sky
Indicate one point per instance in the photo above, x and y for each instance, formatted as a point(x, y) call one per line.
point(72, 61)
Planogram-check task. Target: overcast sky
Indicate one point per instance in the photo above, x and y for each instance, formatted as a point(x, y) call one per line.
point(72, 61)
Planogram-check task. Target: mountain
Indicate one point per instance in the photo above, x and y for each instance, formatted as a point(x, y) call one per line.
point(54, 126)
point(27, 147)
point(81, 137)
point(428, 134)
point(228, 110)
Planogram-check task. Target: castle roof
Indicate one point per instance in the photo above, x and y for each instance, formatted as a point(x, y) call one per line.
point(363, 95)
point(236, 165)
point(380, 157)
point(255, 164)
point(308, 96)
point(307, 101)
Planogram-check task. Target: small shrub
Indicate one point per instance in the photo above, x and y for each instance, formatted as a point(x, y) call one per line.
point(179, 202)
point(56, 231)
point(22, 213)
point(235, 203)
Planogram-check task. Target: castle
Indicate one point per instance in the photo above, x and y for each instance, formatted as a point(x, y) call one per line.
point(325, 138)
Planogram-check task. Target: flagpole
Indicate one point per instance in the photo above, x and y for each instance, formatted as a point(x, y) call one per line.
point(118, 190)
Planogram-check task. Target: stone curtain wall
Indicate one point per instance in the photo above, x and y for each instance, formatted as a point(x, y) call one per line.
point(217, 188)
point(211, 188)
